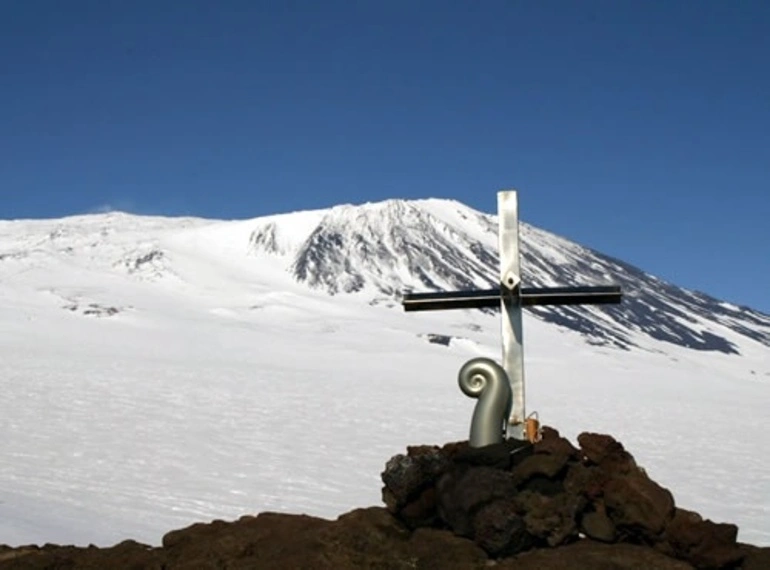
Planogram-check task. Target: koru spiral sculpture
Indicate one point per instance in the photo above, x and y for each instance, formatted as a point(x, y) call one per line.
point(485, 379)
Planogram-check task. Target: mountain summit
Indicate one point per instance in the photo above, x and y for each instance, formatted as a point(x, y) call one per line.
point(389, 247)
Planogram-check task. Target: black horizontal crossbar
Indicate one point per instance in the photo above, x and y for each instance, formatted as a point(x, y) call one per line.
point(529, 296)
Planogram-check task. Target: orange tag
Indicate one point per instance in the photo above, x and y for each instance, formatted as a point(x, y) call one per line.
point(532, 428)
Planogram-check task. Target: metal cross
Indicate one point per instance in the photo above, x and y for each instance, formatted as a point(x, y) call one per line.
point(511, 297)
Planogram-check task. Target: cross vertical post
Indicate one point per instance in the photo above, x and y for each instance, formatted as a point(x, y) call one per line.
point(510, 297)
point(510, 306)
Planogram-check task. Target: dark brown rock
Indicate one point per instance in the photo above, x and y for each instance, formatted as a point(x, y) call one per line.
point(421, 511)
point(405, 476)
point(540, 465)
point(585, 480)
point(547, 461)
point(590, 555)
point(259, 539)
point(499, 530)
point(409, 481)
point(638, 505)
point(703, 543)
point(362, 538)
point(597, 525)
point(128, 554)
point(551, 520)
point(463, 491)
point(365, 538)
point(552, 443)
point(372, 538)
point(755, 558)
point(604, 450)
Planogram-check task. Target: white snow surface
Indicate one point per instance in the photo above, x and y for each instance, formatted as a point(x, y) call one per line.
point(157, 372)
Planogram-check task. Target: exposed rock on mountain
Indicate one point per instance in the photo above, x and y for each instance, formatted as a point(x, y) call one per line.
point(395, 246)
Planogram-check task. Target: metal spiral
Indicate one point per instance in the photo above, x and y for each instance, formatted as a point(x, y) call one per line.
point(486, 380)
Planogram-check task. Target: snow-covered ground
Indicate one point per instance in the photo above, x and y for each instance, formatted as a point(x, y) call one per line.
point(158, 372)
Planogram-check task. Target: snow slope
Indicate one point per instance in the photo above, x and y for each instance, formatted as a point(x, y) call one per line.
point(157, 371)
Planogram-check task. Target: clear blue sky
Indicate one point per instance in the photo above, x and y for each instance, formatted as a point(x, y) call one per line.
point(639, 128)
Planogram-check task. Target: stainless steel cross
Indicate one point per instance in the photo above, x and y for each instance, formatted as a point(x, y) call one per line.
point(511, 297)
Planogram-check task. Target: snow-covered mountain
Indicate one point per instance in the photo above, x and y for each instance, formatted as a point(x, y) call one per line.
point(157, 371)
point(395, 246)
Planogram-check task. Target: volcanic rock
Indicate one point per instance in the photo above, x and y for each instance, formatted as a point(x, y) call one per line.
point(553, 495)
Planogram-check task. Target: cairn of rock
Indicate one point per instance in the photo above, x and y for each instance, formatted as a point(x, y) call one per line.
point(512, 497)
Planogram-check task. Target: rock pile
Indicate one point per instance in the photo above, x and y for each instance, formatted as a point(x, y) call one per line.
point(513, 497)
point(508, 506)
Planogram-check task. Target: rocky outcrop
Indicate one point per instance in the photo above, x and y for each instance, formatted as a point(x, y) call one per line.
point(511, 498)
point(519, 506)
